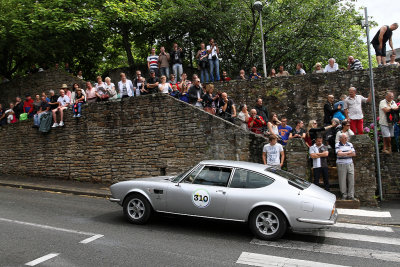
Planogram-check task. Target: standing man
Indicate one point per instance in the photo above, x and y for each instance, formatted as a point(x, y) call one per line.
point(379, 42)
point(319, 154)
point(345, 167)
point(163, 62)
point(152, 61)
point(386, 108)
point(353, 110)
point(176, 61)
point(284, 131)
point(213, 60)
point(329, 110)
point(273, 154)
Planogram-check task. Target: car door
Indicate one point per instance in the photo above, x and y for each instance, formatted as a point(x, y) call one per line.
point(246, 189)
point(202, 192)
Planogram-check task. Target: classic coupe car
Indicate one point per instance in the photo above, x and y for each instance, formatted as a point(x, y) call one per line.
point(270, 200)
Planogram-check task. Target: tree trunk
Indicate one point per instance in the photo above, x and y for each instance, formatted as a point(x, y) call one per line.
point(127, 47)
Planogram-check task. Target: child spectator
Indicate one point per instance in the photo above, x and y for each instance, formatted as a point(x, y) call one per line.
point(28, 105)
point(79, 101)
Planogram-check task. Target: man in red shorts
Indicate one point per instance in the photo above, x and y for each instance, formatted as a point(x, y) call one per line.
point(353, 110)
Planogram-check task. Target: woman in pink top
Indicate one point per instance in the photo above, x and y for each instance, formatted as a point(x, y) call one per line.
point(90, 93)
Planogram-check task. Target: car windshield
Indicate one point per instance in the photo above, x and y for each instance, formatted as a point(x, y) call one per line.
point(293, 180)
point(178, 177)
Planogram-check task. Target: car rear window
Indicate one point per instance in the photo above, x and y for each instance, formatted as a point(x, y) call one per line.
point(293, 179)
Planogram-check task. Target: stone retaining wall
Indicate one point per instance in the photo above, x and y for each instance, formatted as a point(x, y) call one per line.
point(390, 165)
point(113, 141)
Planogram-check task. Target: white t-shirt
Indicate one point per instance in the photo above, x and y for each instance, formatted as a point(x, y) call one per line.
point(164, 88)
point(63, 100)
point(213, 52)
point(273, 153)
point(242, 117)
point(354, 106)
point(328, 68)
point(382, 114)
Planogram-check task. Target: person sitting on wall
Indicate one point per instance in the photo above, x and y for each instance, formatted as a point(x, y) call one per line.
point(10, 114)
point(256, 123)
point(101, 92)
point(242, 75)
point(63, 103)
point(79, 101)
point(298, 131)
point(282, 72)
point(18, 107)
point(175, 92)
point(318, 68)
point(195, 94)
point(28, 105)
point(43, 109)
point(299, 69)
point(332, 66)
point(353, 64)
point(273, 153)
point(91, 96)
point(225, 77)
point(254, 75)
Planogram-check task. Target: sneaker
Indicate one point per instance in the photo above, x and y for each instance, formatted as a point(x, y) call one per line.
point(54, 125)
point(78, 116)
point(74, 116)
point(343, 197)
point(380, 66)
point(61, 124)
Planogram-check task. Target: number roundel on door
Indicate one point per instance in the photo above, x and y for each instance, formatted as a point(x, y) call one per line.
point(201, 198)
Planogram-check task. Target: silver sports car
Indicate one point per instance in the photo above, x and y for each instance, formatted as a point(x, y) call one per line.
point(270, 200)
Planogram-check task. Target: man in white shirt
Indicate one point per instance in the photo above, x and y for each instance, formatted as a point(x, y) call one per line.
point(319, 154)
point(332, 66)
point(386, 108)
point(63, 103)
point(125, 87)
point(353, 110)
point(345, 167)
point(273, 154)
point(213, 60)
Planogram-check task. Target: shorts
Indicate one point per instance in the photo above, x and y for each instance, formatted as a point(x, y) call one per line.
point(378, 52)
point(387, 131)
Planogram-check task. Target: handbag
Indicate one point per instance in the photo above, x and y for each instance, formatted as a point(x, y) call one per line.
point(23, 117)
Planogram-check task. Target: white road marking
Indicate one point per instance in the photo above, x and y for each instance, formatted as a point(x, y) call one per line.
point(366, 213)
point(363, 227)
point(357, 237)
point(42, 259)
point(90, 239)
point(331, 249)
point(46, 227)
point(254, 259)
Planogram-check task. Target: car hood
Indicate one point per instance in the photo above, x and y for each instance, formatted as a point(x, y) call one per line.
point(319, 193)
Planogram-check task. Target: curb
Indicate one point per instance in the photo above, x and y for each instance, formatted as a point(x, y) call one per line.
point(57, 189)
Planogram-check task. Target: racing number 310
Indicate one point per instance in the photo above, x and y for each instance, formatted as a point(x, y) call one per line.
point(200, 198)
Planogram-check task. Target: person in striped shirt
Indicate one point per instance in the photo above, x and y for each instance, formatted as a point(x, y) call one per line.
point(345, 167)
point(152, 61)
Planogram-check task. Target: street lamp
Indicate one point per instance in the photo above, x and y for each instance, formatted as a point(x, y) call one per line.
point(259, 7)
point(365, 24)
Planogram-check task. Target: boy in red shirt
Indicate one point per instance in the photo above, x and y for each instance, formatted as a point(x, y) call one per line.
point(28, 105)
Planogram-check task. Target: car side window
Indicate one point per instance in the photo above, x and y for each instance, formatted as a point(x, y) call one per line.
point(212, 175)
point(248, 179)
point(190, 177)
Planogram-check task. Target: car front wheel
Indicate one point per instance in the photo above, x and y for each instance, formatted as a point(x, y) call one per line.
point(267, 223)
point(137, 209)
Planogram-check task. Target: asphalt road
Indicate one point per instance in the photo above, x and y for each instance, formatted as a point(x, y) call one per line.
point(71, 230)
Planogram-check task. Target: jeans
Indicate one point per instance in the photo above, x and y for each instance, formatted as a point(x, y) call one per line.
point(214, 65)
point(204, 74)
point(36, 118)
point(164, 71)
point(317, 174)
point(77, 108)
point(178, 70)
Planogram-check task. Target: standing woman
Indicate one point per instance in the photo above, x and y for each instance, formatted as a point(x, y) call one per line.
point(213, 60)
point(125, 86)
point(208, 99)
point(202, 57)
point(272, 125)
point(164, 87)
point(110, 88)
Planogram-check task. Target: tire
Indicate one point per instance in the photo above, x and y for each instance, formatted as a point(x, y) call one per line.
point(267, 223)
point(137, 209)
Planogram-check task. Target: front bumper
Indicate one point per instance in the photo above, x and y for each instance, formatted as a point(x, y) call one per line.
point(115, 200)
point(331, 221)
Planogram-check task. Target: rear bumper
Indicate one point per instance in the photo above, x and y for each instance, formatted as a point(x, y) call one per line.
point(331, 221)
point(115, 200)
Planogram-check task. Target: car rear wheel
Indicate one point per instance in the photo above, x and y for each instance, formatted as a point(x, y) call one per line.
point(137, 209)
point(267, 223)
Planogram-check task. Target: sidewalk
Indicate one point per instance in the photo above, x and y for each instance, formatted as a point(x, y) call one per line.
point(57, 185)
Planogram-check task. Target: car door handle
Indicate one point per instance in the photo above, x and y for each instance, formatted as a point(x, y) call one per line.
point(221, 191)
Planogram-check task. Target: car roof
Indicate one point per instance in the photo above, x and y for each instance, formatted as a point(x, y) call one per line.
point(237, 164)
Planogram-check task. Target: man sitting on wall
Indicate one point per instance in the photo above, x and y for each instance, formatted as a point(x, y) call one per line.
point(44, 108)
point(63, 103)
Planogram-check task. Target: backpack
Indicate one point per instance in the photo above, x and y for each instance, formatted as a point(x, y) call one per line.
point(45, 122)
point(23, 117)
